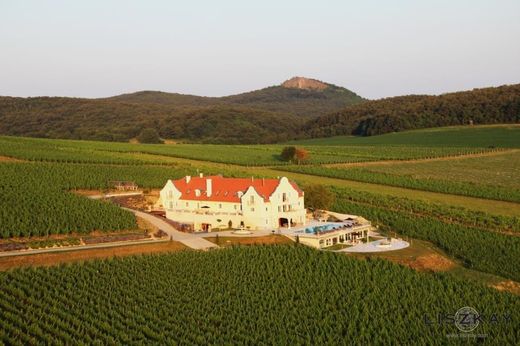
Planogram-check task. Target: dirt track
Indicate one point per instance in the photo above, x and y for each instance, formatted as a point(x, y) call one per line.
point(55, 258)
point(9, 159)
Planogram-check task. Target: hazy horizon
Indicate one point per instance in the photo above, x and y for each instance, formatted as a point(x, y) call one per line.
point(106, 48)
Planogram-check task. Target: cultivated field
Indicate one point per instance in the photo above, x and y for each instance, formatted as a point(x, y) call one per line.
point(505, 136)
point(286, 295)
point(495, 170)
point(259, 155)
point(462, 200)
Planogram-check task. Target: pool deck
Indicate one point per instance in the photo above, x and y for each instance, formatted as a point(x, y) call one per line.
point(375, 246)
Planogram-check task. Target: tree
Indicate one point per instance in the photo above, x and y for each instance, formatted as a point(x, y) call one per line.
point(301, 155)
point(319, 197)
point(294, 154)
point(288, 153)
point(149, 135)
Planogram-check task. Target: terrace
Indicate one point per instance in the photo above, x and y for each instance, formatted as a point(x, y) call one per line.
point(323, 234)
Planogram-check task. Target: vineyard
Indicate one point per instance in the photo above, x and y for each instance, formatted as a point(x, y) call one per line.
point(287, 295)
point(497, 170)
point(442, 212)
point(33, 149)
point(478, 248)
point(37, 202)
point(428, 184)
point(500, 136)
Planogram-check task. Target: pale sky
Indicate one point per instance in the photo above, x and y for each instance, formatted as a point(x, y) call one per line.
point(98, 48)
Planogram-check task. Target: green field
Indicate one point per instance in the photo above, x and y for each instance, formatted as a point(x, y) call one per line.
point(505, 136)
point(33, 149)
point(477, 247)
point(498, 170)
point(287, 295)
point(35, 198)
point(442, 185)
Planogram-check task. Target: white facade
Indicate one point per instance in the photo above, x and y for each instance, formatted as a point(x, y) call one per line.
point(216, 202)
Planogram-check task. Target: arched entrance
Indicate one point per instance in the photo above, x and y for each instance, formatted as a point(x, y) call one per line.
point(283, 222)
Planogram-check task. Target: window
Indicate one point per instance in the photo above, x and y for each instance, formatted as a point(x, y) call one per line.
point(279, 209)
point(171, 205)
point(252, 209)
point(252, 199)
point(187, 204)
point(284, 197)
point(170, 194)
point(220, 206)
point(265, 208)
point(266, 222)
point(235, 206)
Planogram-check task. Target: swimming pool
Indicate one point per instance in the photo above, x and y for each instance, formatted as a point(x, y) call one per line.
point(323, 228)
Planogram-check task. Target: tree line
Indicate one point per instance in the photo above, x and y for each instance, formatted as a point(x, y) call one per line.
point(478, 106)
point(270, 115)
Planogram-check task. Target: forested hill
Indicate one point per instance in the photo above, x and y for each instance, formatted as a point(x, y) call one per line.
point(273, 114)
point(478, 106)
point(53, 117)
point(263, 116)
point(298, 95)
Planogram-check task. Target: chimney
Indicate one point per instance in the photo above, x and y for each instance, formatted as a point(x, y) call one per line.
point(188, 178)
point(201, 175)
point(208, 188)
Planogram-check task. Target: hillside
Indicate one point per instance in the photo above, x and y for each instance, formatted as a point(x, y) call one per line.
point(298, 108)
point(298, 95)
point(54, 117)
point(478, 106)
point(483, 136)
point(263, 116)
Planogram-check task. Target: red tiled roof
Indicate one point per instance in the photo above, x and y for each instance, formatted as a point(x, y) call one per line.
point(226, 189)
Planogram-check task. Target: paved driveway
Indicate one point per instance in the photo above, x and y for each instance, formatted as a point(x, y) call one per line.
point(188, 239)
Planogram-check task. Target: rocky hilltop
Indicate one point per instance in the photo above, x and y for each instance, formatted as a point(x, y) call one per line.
point(304, 83)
